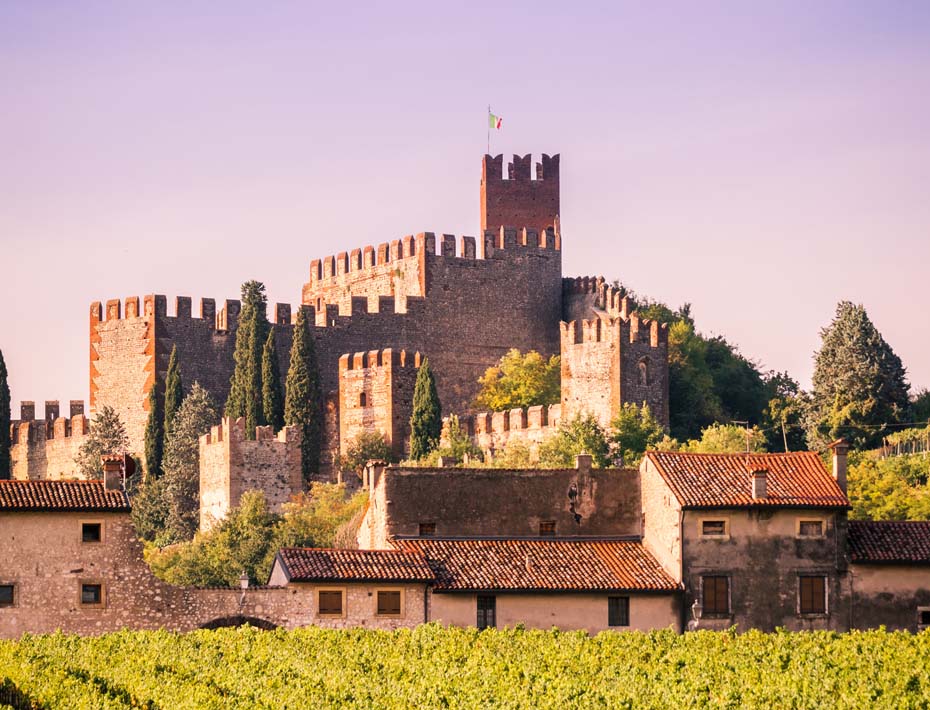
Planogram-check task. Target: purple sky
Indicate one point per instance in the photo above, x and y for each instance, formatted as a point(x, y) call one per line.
point(761, 162)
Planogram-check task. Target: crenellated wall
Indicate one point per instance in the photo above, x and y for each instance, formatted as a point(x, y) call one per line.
point(585, 297)
point(607, 362)
point(376, 395)
point(230, 465)
point(46, 448)
point(519, 200)
point(493, 431)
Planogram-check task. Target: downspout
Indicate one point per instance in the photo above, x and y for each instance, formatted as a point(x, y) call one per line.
point(681, 570)
point(427, 592)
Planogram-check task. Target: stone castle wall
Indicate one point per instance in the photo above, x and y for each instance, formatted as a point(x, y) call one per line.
point(230, 465)
point(46, 448)
point(493, 431)
point(376, 395)
point(519, 200)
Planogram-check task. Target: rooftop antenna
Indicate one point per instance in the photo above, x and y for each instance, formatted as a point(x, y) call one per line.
point(748, 434)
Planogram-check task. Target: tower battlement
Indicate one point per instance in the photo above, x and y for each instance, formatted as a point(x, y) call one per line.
point(519, 200)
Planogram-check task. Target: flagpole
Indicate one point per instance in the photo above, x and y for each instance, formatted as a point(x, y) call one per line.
point(489, 129)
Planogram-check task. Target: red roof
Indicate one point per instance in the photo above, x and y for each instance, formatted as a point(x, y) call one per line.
point(62, 496)
point(309, 564)
point(541, 565)
point(889, 541)
point(798, 480)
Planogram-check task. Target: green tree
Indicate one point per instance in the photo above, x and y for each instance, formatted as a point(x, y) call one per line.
point(272, 399)
point(784, 413)
point(107, 436)
point(581, 435)
point(6, 465)
point(426, 420)
point(633, 431)
point(150, 510)
point(455, 444)
point(515, 454)
point(312, 519)
point(859, 382)
point(920, 407)
point(303, 397)
point(245, 387)
point(727, 439)
point(154, 434)
point(520, 380)
point(181, 464)
point(366, 446)
point(174, 391)
point(893, 488)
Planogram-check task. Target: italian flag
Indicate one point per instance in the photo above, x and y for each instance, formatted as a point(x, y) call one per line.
point(495, 122)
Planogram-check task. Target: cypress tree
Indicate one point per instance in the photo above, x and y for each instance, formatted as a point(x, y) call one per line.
point(5, 417)
point(245, 386)
point(272, 400)
point(426, 420)
point(154, 434)
point(173, 390)
point(860, 384)
point(303, 395)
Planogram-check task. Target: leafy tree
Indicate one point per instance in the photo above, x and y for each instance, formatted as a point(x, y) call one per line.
point(515, 454)
point(272, 399)
point(726, 439)
point(784, 413)
point(154, 434)
point(174, 391)
point(859, 382)
point(455, 443)
point(194, 418)
point(6, 470)
point(633, 431)
point(894, 488)
point(312, 519)
point(520, 381)
point(920, 407)
point(366, 446)
point(245, 387)
point(426, 420)
point(303, 398)
point(582, 434)
point(107, 436)
point(150, 510)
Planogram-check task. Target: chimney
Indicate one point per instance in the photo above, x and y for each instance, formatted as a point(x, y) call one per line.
point(112, 471)
point(759, 484)
point(840, 448)
point(529, 564)
point(583, 462)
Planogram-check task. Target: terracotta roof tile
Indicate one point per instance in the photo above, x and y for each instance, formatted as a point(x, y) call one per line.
point(306, 564)
point(889, 541)
point(61, 496)
point(556, 565)
point(725, 480)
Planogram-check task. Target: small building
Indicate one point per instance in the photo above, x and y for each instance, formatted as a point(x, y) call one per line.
point(583, 584)
point(383, 589)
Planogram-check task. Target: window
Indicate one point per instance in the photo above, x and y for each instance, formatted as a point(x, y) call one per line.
point(715, 528)
point(427, 529)
point(91, 594)
point(362, 400)
point(716, 595)
point(810, 528)
point(91, 532)
point(813, 595)
point(7, 594)
point(487, 611)
point(618, 611)
point(329, 602)
point(923, 618)
point(389, 602)
point(644, 371)
point(546, 528)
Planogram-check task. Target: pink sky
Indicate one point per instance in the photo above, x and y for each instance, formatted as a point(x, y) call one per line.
point(762, 161)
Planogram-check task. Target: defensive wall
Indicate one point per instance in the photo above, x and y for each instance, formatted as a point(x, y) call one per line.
point(376, 395)
point(46, 448)
point(493, 431)
point(231, 464)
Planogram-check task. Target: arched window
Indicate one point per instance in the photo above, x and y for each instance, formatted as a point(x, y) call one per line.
point(644, 371)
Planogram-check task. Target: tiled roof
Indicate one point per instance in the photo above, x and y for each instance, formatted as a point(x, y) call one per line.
point(889, 541)
point(306, 564)
point(542, 565)
point(61, 496)
point(725, 480)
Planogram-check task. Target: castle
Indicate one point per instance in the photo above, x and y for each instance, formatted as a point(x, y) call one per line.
point(376, 311)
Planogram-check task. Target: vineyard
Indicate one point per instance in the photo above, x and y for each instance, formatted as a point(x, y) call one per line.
point(433, 667)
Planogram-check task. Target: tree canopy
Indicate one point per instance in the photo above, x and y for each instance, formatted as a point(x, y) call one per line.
point(245, 387)
point(303, 396)
point(520, 380)
point(107, 436)
point(272, 398)
point(426, 420)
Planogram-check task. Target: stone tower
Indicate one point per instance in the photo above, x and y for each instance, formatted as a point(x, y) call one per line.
point(519, 201)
